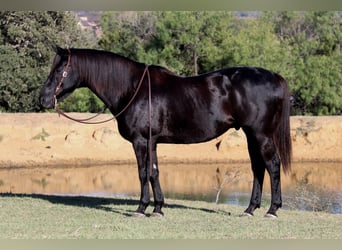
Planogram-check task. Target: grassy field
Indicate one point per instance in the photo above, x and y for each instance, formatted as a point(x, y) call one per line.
point(62, 217)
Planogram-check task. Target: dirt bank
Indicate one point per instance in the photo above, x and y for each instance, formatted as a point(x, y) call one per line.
point(31, 140)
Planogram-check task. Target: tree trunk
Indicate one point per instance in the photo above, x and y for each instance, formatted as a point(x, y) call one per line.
point(195, 63)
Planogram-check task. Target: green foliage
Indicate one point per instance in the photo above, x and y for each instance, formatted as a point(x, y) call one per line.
point(82, 100)
point(314, 40)
point(180, 41)
point(304, 47)
point(26, 41)
point(126, 33)
point(255, 44)
point(188, 40)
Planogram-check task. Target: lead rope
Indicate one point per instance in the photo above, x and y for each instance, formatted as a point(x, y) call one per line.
point(150, 123)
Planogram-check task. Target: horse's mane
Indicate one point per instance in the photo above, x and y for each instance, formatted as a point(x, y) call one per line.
point(102, 69)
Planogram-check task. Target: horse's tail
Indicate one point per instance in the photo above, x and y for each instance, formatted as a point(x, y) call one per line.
point(282, 138)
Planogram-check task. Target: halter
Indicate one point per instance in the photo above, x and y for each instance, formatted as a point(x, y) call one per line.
point(64, 75)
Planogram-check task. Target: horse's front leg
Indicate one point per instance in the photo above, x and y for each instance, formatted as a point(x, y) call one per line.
point(154, 179)
point(141, 153)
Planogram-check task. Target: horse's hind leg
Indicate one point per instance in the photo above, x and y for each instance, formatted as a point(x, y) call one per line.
point(263, 155)
point(272, 164)
point(258, 168)
point(273, 168)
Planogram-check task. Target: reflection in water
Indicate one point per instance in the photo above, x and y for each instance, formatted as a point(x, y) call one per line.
point(310, 186)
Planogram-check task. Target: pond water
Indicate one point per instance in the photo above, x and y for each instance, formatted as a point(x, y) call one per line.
point(310, 186)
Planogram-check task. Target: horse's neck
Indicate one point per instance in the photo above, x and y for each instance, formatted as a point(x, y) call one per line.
point(111, 87)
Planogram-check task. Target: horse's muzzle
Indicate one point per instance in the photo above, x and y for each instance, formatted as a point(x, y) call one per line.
point(46, 102)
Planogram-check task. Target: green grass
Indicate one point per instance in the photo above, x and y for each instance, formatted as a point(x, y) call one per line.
point(54, 217)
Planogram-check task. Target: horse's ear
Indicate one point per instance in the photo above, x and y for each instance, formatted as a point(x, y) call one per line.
point(58, 50)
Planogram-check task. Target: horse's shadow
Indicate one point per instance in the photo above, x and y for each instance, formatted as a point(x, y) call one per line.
point(102, 203)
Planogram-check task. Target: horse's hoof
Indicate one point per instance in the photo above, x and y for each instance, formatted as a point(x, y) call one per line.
point(245, 214)
point(272, 216)
point(157, 215)
point(138, 215)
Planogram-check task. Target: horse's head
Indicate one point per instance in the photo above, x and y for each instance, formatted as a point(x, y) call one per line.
point(62, 79)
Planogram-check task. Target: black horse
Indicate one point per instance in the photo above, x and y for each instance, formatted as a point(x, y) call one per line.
point(153, 105)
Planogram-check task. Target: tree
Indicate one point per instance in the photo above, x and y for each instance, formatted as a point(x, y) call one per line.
point(304, 47)
point(127, 33)
point(254, 43)
point(180, 41)
point(314, 39)
point(189, 42)
point(26, 40)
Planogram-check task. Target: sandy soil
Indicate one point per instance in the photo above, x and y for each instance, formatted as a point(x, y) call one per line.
point(45, 139)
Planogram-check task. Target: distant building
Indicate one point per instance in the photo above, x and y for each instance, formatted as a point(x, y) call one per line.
point(90, 20)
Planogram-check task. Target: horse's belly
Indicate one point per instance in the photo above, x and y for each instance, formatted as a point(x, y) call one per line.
point(186, 135)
